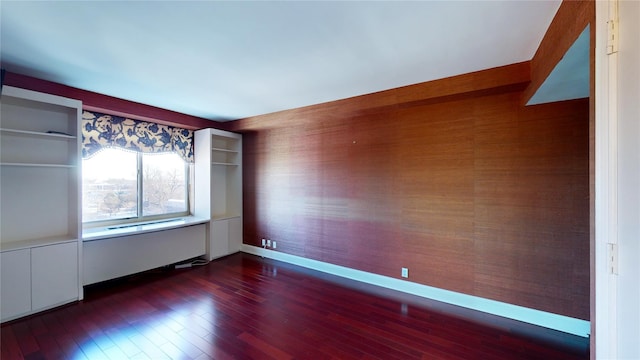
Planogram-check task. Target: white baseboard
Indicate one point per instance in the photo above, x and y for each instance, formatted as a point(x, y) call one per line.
point(536, 317)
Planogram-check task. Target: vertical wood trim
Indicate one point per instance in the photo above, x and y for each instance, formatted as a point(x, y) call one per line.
point(570, 20)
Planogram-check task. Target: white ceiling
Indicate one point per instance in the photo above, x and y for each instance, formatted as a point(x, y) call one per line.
point(230, 60)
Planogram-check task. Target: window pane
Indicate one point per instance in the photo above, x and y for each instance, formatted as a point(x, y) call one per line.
point(109, 185)
point(163, 184)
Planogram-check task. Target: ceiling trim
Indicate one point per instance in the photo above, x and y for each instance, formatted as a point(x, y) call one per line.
point(498, 80)
point(109, 104)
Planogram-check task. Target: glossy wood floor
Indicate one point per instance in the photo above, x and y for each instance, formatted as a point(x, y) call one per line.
point(246, 307)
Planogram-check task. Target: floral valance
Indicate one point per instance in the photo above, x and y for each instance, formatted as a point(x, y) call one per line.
point(102, 130)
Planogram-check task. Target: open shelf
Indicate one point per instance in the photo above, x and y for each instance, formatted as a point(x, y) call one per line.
point(224, 150)
point(225, 216)
point(38, 133)
point(39, 130)
point(38, 165)
point(221, 156)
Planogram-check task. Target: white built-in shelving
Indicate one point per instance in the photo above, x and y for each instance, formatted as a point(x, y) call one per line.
point(225, 156)
point(40, 204)
point(218, 188)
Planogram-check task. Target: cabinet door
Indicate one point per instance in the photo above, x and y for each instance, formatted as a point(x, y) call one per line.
point(219, 245)
point(235, 234)
point(15, 291)
point(54, 275)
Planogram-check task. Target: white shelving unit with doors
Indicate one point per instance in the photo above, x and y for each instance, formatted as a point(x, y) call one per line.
point(40, 215)
point(218, 189)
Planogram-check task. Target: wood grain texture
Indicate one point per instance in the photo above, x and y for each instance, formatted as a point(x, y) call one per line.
point(532, 207)
point(503, 79)
point(111, 105)
point(246, 307)
point(509, 76)
point(475, 194)
point(568, 23)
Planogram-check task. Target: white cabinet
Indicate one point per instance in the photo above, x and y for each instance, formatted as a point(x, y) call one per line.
point(54, 275)
point(218, 188)
point(15, 288)
point(226, 237)
point(235, 234)
point(219, 238)
point(38, 278)
point(40, 179)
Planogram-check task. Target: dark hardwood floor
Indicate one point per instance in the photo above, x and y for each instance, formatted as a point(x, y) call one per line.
point(247, 307)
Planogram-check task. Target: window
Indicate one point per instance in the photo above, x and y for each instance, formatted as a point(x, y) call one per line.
point(127, 186)
point(133, 170)
point(164, 184)
point(110, 185)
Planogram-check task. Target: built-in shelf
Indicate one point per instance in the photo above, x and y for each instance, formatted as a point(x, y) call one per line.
point(225, 216)
point(218, 188)
point(37, 133)
point(224, 150)
point(38, 165)
point(40, 237)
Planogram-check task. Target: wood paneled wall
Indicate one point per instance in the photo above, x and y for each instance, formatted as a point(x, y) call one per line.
point(471, 191)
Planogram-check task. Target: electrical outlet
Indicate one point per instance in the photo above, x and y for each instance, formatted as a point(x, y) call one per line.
point(273, 243)
point(405, 272)
point(268, 243)
point(264, 242)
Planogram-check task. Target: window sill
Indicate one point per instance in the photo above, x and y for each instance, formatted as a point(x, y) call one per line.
point(107, 232)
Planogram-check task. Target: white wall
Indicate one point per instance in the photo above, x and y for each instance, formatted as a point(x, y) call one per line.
point(617, 295)
point(629, 181)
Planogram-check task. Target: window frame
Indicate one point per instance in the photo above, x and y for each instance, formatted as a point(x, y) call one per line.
point(140, 218)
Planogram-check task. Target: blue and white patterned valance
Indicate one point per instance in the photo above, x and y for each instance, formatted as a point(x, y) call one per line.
point(102, 130)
